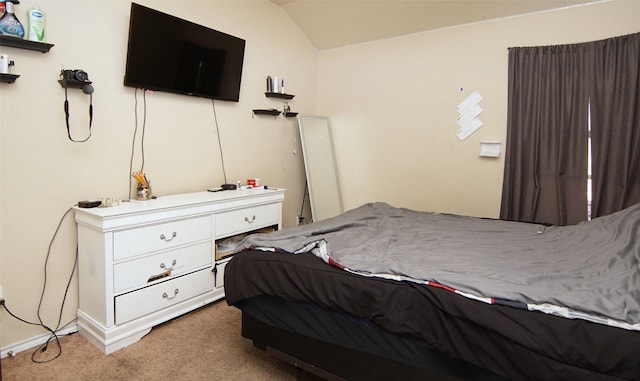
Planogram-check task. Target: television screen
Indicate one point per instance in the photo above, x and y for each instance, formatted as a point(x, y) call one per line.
point(167, 53)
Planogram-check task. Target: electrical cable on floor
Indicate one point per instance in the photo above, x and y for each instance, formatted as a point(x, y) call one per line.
point(43, 347)
point(53, 332)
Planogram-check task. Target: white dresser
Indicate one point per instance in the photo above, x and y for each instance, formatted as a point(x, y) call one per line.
point(142, 263)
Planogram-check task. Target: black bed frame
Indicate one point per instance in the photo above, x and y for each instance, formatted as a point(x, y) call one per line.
point(345, 361)
point(326, 360)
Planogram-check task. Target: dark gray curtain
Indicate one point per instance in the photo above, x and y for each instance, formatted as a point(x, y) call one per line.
point(545, 177)
point(615, 124)
point(546, 156)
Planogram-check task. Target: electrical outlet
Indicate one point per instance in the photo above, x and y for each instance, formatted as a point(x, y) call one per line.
point(299, 220)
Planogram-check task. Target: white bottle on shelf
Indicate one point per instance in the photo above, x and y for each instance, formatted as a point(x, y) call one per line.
point(36, 24)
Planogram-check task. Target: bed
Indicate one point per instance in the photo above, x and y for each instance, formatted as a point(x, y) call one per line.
point(389, 293)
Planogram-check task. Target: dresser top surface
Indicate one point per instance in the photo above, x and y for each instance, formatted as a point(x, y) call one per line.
point(183, 200)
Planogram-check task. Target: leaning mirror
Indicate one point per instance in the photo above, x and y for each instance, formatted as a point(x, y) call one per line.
point(320, 167)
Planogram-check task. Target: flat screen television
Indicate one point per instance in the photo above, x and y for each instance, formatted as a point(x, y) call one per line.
point(167, 53)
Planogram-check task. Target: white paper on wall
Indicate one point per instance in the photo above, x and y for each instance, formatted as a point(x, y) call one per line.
point(468, 111)
point(468, 128)
point(469, 102)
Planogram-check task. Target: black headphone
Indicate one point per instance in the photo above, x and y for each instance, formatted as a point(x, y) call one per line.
point(77, 79)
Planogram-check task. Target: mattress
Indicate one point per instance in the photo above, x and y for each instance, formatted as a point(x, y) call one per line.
point(586, 271)
point(512, 342)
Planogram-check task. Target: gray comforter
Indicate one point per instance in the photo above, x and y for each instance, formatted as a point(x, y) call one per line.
point(589, 271)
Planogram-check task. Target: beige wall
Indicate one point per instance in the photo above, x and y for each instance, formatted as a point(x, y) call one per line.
point(43, 174)
point(392, 105)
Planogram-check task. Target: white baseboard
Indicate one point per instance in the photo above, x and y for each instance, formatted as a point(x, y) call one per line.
point(33, 342)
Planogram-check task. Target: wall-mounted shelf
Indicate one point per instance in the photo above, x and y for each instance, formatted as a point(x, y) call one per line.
point(74, 84)
point(273, 112)
point(279, 95)
point(16, 42)
point(8, 78)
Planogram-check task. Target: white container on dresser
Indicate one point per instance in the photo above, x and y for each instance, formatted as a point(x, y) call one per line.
point(142, 263)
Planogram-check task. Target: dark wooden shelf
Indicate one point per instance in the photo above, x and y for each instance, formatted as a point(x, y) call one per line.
point(266, 112)
point(74, 84)
point(279, 95)
point(16, 42)
point(8, 78)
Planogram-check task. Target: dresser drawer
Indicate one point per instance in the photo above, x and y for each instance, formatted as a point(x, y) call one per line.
point(162, 236)
point(139, 272)
point(244, 220)
point(162, 295)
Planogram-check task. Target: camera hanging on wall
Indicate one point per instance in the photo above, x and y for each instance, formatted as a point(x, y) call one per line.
point(76, 79)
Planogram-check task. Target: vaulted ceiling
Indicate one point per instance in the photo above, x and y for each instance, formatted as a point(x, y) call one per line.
point(335, 23)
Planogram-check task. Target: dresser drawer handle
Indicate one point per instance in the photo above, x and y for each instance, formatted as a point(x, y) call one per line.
point(246, 219)
point(164, 238)
point(166, 296)
point(163, 266)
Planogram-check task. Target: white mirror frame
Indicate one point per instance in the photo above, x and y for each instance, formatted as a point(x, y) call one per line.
point(320, 167)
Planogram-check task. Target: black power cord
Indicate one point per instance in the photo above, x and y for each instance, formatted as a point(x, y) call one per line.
point(43, 347)
point(135, 133)
point(304, 197)
point(215, 119)
point(53, 332)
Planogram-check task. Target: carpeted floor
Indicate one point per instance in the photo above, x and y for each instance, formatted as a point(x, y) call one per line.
point(202, 345)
